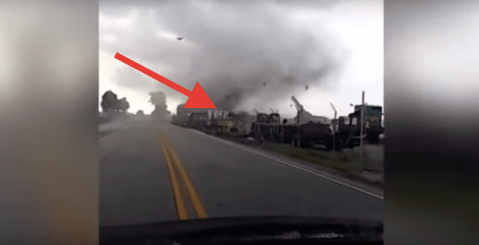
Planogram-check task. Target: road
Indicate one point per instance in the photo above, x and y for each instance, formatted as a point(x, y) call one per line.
point(161, 172)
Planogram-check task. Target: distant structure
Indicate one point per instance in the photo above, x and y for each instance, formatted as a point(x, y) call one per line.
point(217, 114)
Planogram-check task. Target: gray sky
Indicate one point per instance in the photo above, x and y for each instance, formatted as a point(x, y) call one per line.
point(233, 48)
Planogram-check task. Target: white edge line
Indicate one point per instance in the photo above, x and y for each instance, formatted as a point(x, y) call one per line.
point(294, 166)
point(108, 136)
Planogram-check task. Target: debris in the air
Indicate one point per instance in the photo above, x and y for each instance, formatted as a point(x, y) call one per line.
point(180, 38)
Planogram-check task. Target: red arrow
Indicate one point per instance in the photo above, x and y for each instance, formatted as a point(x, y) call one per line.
point(196, 98)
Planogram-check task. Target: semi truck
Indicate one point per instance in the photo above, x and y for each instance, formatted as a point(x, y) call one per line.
point(373, 121)
point(308, 131)
point(305, 131)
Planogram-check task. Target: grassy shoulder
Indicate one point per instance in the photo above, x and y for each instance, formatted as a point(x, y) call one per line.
point(345, 163)
point(106, 133)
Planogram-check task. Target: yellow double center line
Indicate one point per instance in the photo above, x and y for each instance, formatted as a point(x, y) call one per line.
point(174, 167)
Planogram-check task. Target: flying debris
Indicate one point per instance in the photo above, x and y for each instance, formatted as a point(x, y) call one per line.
point(180, 38)
point(306, 87)
point(264, 84)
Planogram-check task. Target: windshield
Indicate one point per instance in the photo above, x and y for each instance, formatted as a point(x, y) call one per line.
point(173, 163)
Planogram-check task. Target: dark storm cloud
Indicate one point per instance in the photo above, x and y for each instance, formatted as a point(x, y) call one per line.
point(231, 48)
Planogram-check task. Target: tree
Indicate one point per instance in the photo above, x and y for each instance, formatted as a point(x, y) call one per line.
point(122, 105)
point(109, 101)
point(158, 99)
point(140, 113)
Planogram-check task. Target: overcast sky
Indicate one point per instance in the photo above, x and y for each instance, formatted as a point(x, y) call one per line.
point(234, 48)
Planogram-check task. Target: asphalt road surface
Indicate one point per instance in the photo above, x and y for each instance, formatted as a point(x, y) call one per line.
point(161, 172)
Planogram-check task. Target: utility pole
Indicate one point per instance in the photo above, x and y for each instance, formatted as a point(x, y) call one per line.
point(334, 128)
point(361, 135)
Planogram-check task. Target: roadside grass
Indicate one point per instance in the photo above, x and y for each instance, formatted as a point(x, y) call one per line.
point(105, 133)
point(347, 163)
point(238, 138)
point(344, 162)
point(103, 120)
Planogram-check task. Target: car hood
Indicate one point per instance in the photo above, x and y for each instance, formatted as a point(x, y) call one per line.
point(245, 230)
